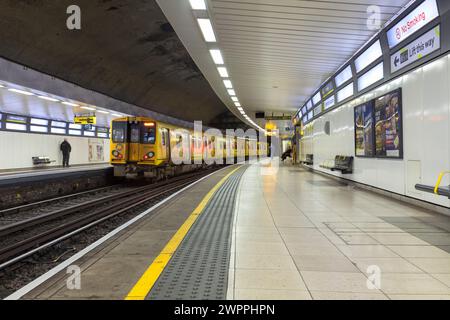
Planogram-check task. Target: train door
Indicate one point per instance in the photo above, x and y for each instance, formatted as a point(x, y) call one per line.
point(134, 134)
point(164, 152)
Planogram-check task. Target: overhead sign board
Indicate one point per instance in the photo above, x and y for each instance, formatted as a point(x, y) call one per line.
point(85, 120)
point(416, 50)
point(413, 22)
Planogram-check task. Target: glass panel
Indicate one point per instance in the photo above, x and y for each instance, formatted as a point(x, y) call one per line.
point(372, 76)
point(75, 126)
point(38, 129)
point(58, 131)
point(40, 122)
point(75, 132)
point(149, 135)
point(89, 134)
point(345, 93)
point(16, 126)
point(118, 132)
point(367, 57)
point(134, 134)
point(102, 135)
point(59, 124)
point(330, 102)
point(16, 119)
point(317, 98)
point(344, 76)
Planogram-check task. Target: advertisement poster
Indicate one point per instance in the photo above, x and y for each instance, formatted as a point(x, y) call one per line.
point(364, 126)
point(388, 126)
point(96, 150)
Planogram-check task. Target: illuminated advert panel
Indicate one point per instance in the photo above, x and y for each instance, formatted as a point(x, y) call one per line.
point(413, 22)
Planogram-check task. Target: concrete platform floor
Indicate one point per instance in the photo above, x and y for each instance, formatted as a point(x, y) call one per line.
point(300, 235)
point(111, 271)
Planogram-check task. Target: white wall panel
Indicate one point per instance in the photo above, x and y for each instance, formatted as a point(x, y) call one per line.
point(426, 134)
point(18, 149)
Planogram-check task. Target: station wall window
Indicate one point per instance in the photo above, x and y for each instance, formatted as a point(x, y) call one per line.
point(39, 129)
point(369, 56)
point(59, 124)
point(75, 126)
point(317, 98)
point(370, 77)
point(344, 76)
point(39, 122)
point(75, 132)
point(345, 93)
point(16, 126)
point(58, 131)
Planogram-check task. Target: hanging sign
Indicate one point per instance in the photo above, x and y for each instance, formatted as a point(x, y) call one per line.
point(416, 50)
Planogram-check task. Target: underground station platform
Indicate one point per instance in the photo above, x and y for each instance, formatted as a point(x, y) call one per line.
point(224, 158)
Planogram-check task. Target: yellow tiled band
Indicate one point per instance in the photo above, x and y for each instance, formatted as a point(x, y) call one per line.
point(151, 275)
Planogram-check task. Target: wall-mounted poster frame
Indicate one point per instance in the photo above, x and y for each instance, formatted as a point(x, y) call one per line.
point(364, 130)
point(379, 127)
point(389, 125)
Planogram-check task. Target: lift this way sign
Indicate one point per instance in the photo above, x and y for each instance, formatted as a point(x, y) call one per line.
point(85, 120)
point(416, 50)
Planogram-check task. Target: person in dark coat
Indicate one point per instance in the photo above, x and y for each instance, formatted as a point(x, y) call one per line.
point(66, 149)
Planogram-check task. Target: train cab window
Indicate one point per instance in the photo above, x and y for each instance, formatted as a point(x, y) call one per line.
point(134, 134)
point(118, 132)
point(149, 133)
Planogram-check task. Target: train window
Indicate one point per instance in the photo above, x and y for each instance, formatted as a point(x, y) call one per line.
point(149, 135)
point(134, 134)
point(118, 132)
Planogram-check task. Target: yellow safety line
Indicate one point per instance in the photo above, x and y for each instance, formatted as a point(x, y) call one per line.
point(151, 275)
point(439, 181)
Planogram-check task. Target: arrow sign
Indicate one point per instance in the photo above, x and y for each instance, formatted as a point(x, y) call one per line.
point(416, 50)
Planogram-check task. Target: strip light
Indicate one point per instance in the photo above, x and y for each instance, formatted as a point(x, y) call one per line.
point(217, 56)
point(231, 92)
point(104, 112)
point(228, 84)
point(88, 108)
point(237, 104)
point(21, 92)
point(235, 99)
point(48, 98)
point(207, 30)
point(223, 72)
point(70, 104)
point(198, 4)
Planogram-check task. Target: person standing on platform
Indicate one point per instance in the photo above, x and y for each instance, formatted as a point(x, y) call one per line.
point(66, 149)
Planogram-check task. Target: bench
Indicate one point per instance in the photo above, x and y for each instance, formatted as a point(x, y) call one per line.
point(41, 160)
point(309, 160)
point(328, 164)
point(343, 164)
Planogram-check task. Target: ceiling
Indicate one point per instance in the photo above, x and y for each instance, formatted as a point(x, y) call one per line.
point(277, 51)
point(126, 49)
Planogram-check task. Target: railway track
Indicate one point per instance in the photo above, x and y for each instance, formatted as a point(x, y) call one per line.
point(24, 238)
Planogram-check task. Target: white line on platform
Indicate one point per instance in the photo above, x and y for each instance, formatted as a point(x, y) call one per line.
point(46, 276)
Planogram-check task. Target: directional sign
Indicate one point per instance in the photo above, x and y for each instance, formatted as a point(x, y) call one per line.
point(416, 50)
point(85, 120)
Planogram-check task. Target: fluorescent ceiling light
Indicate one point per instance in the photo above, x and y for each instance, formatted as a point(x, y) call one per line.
point(235, 99)
point(207, 30)
point(237, 104)
point(242, 112)
point(198, 4)
point(117, 115)
point(231, 92)
point(228, 84)
point(101, 111)
point(223, 72)
point(88, 108)
point(240, 109)
point(48, 98)
point(21, 92)
point(2, 86)
point(70, 104)
point(217, 56)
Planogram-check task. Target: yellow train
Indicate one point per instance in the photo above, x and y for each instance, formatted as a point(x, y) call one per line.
point(143, 146)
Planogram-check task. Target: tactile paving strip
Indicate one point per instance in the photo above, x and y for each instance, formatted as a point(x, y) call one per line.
point(199, 268)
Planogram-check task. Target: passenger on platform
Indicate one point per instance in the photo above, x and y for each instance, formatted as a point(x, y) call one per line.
point(66, 149)
point(286, 154)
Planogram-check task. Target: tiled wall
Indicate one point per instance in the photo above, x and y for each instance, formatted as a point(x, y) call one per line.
point(426, 135)
point(17, 149)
